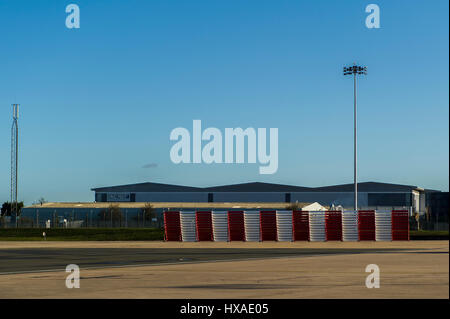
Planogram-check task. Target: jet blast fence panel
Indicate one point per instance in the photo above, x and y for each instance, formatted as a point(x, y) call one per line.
point(317, 226)
point(172, 226)
point(204, 226)
point(300, 225)
point(220, 226)
point(268, 225)
point(188, 226)
point(383, 226)
point(284, 225)
point(252, 228)
point(350, 226)
point(236, 228)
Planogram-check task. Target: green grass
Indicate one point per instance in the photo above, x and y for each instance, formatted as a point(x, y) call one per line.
point(72, 234)
point(429, 232)
point(124, 234)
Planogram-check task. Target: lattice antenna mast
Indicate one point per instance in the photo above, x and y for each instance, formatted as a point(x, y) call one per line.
point(14, 158)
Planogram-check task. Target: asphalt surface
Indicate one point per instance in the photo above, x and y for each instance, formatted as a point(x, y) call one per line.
point(54, 259)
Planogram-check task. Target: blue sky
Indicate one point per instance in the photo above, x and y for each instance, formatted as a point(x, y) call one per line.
point(98, 103)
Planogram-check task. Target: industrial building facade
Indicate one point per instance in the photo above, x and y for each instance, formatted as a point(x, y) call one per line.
point(132, 199)
point(371, 195)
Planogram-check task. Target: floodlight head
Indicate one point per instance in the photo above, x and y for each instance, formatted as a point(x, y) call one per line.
point(355, 69)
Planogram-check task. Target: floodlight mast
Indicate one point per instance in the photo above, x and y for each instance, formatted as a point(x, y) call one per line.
point(14, 160)
point(355, 70)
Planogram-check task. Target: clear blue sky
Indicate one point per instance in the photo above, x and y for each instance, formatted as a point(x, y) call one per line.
point(98, 103)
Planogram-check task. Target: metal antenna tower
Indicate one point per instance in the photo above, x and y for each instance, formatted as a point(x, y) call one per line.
point(14, 159)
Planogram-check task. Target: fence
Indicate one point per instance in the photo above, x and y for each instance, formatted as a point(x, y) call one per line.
point(287, 225)
point(251, 226)
point(75, 219)
point(422, 223)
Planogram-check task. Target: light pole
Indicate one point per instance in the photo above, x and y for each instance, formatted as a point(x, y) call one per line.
point(355, 70)
point(14, 161)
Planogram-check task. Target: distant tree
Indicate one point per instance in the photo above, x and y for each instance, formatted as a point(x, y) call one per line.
point(417, 217)
point(294, 206)
point(112, 213)
point(148, 212)
point(42, 201)
point(8, 208)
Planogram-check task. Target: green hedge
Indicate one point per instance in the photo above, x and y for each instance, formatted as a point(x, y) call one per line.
point(428, 235)
point(82, 234)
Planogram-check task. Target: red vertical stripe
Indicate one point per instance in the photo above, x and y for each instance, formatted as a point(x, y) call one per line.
point(366, 225)
point(236, 229)
point(333, 225)
point(172, 226)
point(268, 225)
point(400, 225)
point(204, 226)
point(300, 225)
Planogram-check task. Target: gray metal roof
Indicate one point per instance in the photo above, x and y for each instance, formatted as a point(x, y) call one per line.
point(257, 187)
point(148, 187)
point(367, 187)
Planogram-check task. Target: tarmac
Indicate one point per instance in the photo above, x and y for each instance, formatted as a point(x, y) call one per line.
point(413, 269)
